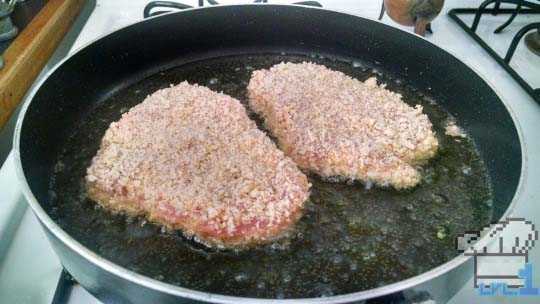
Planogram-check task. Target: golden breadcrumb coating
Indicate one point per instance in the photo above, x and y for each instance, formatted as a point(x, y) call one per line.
point(334, 125)
point(189, 158)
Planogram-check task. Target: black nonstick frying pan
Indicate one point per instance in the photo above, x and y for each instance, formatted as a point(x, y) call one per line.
point(354, 242)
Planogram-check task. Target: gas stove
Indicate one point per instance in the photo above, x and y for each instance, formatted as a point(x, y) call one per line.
point(521, 24)
point(30, 271)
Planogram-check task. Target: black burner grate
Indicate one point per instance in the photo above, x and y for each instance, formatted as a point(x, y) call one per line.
point(521, 7)
point(63, 288)
point(180, 6)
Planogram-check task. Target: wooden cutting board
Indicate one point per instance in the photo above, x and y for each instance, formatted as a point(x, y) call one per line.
point(31, 50)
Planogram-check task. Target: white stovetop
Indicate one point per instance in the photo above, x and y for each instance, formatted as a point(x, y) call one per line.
point(29, 269)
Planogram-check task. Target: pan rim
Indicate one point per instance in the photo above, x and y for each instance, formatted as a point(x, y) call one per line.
point(192, 294)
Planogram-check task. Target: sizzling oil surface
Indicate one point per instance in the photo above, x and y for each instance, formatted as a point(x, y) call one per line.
point(352, 237)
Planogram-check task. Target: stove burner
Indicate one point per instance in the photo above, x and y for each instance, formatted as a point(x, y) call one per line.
point(169, 4)
point(532, 40)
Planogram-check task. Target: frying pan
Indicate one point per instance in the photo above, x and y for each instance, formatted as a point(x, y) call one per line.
point(109, 67)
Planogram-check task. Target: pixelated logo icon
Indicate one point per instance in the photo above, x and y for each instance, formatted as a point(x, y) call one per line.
point(499, 259)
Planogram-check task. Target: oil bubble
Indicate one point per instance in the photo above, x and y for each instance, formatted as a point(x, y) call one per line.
point(466, 170)
point(337, 260)
point(326, 291)
point(368, 256)
point(241, 278)
point(368, 185)
point(353, 266)
point(441, 232)
point(438, 198)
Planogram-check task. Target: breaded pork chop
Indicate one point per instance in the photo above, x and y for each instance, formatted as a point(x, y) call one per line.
point(334, 125)
point(191, 159)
